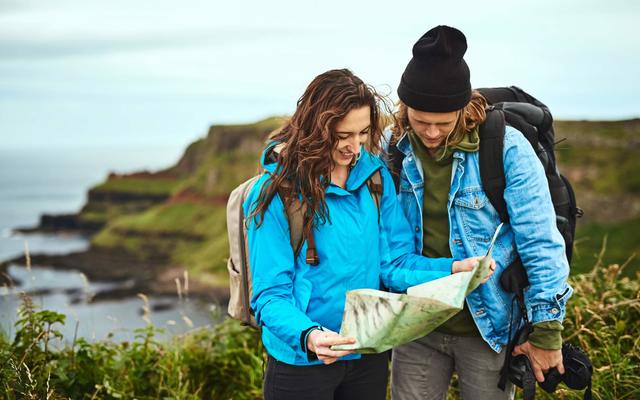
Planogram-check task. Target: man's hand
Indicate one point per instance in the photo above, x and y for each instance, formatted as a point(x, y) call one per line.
point(469, 264)
point(541, 360)
point(320, 342)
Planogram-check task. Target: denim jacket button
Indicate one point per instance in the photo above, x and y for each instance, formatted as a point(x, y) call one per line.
point(417, 229)
point(554, 310)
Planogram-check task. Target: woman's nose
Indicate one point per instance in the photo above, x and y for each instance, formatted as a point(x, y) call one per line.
point(354, 143)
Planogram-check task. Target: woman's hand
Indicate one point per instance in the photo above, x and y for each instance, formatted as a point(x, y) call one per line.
point(468, 264)
point(320, 342)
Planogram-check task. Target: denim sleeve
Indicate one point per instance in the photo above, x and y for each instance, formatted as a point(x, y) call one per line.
point(400, 266)
point(532, 218)
point(272, 272)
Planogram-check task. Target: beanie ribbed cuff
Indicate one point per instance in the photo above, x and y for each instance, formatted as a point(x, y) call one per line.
point(433, 102)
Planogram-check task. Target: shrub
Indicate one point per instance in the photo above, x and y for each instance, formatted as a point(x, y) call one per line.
point(226, 361)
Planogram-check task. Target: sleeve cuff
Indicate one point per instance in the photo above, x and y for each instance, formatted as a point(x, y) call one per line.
point(547, 335)
point(311, 356)
point(442, 265)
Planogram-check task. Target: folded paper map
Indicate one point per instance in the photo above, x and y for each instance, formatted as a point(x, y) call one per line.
point(380, 320)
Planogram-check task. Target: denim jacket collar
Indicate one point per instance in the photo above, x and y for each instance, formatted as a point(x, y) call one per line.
point(404, 145)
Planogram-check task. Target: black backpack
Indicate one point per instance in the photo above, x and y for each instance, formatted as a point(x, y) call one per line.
point(513, 106)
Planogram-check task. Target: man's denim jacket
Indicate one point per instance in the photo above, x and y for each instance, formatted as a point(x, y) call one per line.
point(472, 221)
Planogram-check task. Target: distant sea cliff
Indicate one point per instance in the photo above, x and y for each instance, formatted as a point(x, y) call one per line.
point(150, 227)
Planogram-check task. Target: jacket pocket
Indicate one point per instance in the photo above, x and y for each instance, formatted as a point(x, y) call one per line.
point(302, 293)
point(478, 216)
point(405, 187)
point(562, 297)
point(472, 198)
point(238, 307)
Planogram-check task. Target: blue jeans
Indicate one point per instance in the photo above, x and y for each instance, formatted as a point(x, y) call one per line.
point(422, 369)
point(364, 378)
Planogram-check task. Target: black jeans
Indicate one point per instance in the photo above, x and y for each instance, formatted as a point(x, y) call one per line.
point(365, 378)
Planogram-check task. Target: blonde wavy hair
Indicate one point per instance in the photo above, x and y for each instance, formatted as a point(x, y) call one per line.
point(474, 114)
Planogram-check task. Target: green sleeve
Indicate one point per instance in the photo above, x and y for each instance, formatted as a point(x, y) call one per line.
point(547, 335)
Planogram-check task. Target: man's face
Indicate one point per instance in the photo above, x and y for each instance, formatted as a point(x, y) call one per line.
point(432, 128)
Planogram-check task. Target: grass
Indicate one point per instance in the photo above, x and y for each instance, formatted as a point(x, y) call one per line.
point(222, 362)
point(589, 240)
point(227, 361)
point(102, 212)
point(189, 218)
point(138, 185)
point(190, 234)
point(218, 176)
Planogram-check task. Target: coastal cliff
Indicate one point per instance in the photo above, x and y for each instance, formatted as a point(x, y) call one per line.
point(150, 227)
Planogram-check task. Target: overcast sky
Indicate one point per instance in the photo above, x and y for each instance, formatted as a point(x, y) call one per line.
point(141, 73)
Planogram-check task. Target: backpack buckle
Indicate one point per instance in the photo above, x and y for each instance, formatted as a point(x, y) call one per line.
point(312, 256)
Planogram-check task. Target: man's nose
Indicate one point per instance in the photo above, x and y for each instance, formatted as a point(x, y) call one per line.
point(432, 131)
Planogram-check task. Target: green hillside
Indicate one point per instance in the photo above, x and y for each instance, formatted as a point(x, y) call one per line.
point(178, 214)
point(185, 223)
point(600, 159)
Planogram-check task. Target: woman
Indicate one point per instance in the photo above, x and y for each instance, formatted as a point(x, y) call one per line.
point(321, 155)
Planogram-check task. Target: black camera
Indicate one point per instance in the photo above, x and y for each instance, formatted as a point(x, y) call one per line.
point(577, 371)
point(577, 366)
point(577, 375)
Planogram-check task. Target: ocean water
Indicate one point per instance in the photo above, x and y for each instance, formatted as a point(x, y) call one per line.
point(36, 181)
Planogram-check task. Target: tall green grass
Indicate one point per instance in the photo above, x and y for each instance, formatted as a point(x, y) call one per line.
point(222, 362)
point(226, 361)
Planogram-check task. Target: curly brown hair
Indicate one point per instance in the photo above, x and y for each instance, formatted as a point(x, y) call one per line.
point(308, 139)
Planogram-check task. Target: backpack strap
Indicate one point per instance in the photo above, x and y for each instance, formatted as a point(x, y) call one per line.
point(491, 163)
point(394, 163)
point(296, 211)
point(312, 254)
point(375, 188)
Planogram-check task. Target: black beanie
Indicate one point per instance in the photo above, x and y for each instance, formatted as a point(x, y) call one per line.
point(437, 77)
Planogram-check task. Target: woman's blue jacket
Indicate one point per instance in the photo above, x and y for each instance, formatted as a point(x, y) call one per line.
point(356, 250)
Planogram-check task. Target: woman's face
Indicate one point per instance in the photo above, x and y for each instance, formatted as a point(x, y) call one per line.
point(352, 131)
point(432, 128)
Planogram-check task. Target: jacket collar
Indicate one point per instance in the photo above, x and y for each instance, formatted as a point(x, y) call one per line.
point(366, 166)
point(404, 145)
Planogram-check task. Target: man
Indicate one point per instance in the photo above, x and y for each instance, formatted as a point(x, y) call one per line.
point(441, 193)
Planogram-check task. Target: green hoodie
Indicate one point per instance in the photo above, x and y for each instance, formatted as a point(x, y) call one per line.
point(435, 227)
